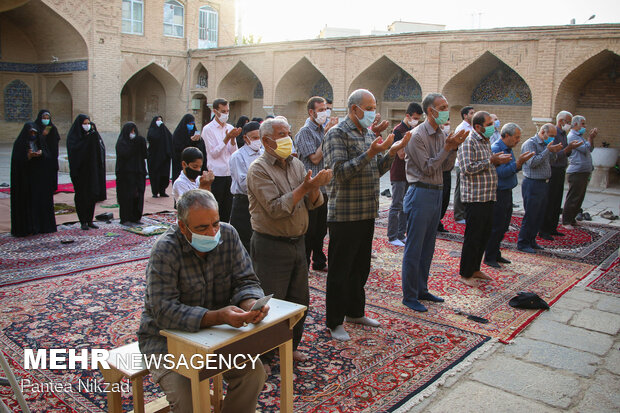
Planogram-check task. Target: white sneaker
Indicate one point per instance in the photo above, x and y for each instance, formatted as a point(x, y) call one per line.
point(367, 321)
point(462, 221)
point(397, 243)
point(339, 333)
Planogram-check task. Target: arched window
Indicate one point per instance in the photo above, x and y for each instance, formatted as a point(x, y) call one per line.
point(173, 18)
point(207, 29)
point(133, 17)
point(17, 101)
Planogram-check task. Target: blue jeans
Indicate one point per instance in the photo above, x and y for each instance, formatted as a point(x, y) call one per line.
point(397, 220)
point(423, 209)
point(535, 193)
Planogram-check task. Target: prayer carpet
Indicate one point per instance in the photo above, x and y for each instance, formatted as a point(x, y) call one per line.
point(609, 280)
point(549, 277)
point(589, 243)
point(378, 370)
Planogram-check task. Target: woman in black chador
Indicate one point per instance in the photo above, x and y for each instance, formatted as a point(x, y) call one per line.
point(50, 133)
point(86, 153)
point(158, 156)
point(186, 135)
point(32, 193)
point(130, 174)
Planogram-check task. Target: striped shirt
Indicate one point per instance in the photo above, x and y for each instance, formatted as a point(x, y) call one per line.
point(478, 174)
point(181, 286)
point(538, 166)
point(307, 141)
point(354, 190)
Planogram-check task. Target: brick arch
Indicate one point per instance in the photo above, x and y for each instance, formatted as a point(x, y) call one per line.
point(60, 102)
point(163, 75)
point(199, 80)
point(380, 75)
point(238, 86)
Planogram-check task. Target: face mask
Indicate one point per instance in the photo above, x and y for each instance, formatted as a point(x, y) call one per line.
point(442, 116)
point(86, 127)
point(255, 145)
point(566, 127)
point(223, 117)
point(190, 127)
point(488, 131)
point(321, 117)
point(328, 112)
point(413, 122)
point(496, 124)
point(158, 123)
point(205, 243)
point(191, 174)
point(284, 148)
point(367, 119)
point(547, 140)
point(45, 121)
point(132, 135)
point(581, 131)
point(446, 130)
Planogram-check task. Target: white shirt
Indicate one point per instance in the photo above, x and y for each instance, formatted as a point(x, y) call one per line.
point(182, 185)
point(239, 164)
point(466, 126)
point(218, 153)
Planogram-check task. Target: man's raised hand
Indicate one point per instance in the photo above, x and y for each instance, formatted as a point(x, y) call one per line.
point(397, 146)
point(455, 139)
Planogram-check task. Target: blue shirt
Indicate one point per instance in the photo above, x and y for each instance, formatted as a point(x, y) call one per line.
point(580, 158)
point(506, 173)
point(538, 166)
point(561, 160)
point(239, 164)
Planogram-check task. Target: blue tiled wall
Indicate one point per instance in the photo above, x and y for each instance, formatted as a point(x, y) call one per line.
point(502, 87)
point(322, 88)
point(402, 88)
point(17, 102)
point(78, 66)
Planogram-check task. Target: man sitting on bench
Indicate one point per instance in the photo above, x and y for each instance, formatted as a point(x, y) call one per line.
point(196, 271)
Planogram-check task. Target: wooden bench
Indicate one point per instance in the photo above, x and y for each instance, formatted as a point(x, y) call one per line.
point(116, 373)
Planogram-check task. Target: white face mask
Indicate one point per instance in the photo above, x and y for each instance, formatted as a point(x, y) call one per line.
point(255, 145)
point(321, 117)
point(566, 127)
point(132, 135)
point(446, 129)
point(158, 122)
point(413, 122)
point(223, 117)
point(86, 127)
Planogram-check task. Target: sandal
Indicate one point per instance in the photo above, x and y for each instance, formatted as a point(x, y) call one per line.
point(609, 215)
point(586, 216)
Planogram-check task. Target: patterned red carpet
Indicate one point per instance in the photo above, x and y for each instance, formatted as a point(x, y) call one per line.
point(377, 370)
point(609, 280)
point(547, 276)
point(590, 243)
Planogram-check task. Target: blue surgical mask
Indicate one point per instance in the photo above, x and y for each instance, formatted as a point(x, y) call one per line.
point(496, 124)
point(367, 119)
point(548, 140)
point(190, 127)
point(581, 131)
point(205, 243)
point(45, 121)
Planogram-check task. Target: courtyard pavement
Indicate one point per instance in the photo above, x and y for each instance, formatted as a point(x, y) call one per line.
point(568, 359)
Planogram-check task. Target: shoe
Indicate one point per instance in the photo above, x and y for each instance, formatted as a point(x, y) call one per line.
point(460, 221)
point(403, 240)
point(537, 247)
point(155, 196)
point(339, 333)
point(164, 195)
point(371, 322)
point(579, 217)
point(504, 260)
point(586, 216)
point(93, 226)
point(84, 227)
point(415, 305)
point(386, 193)
point(546, 236)
point(430, 297)
point(557, 234)
point(609, 215)
point(529, 250)
point(493, 264)
point(397, 243)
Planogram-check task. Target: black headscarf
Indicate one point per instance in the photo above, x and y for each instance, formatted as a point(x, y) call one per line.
point(52, 138)
point(32, 204)
point(160, 147)
point(243, 120)
point(130, 153)
point(86, 153)
point(181, 139)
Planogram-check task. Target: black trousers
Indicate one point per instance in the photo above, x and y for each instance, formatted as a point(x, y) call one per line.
point(159, 183)
point(554, 201)
point(477, 231)
point(240, 219)
point(130, 196)
point(350, 246)
point(577, 186)
point(220, 188)
point(534, 193)
point(445, 198)
point(282, 271)
point(317, 229)
point(502, 213)
point(84, 205)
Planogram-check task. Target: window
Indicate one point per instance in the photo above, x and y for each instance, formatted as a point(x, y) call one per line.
point(207, 32)
point(173, 18)
point(133, 16)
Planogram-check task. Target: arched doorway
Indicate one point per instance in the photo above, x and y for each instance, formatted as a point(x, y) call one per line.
point(60, 103)
point(241, 87)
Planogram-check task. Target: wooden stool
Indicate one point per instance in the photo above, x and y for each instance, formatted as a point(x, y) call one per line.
point(116, 373)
